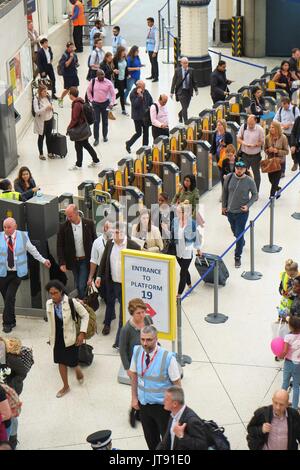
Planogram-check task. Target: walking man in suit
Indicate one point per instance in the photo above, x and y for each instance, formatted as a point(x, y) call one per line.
point(183, 85)
point(74, 245)
point(14, 245)
point(110, 271)
point(185, 429)
point(44, 60)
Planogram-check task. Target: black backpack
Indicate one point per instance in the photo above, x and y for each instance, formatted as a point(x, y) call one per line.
point(215, 436)
point(147, 115)
point(89, 113)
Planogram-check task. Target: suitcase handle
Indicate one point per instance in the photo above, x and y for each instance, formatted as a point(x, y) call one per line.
point(55, 113)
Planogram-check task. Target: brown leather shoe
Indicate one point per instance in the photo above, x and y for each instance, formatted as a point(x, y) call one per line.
point(106, 330)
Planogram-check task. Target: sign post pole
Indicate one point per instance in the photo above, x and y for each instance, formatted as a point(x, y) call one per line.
point(181, 358)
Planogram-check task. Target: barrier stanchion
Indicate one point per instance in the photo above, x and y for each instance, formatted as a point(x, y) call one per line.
point(252, 275)
point(216, 317)
point(271, 248)
point(181, 358)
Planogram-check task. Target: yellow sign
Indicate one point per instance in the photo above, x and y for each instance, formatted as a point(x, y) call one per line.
point(152, 278)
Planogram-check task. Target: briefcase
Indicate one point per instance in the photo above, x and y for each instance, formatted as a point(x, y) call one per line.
point(204, 262)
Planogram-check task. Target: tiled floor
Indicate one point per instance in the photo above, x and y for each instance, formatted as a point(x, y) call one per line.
point(233, 371)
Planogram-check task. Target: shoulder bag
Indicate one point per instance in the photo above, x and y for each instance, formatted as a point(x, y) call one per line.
point(81, 131)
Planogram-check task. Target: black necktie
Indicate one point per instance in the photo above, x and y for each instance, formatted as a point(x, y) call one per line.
point(147, 360)
point(10, 253)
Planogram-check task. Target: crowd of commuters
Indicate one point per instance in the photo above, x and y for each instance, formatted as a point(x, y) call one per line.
point(157, 395)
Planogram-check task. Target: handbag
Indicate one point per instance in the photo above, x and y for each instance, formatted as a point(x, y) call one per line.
point(91, 298)
point(85, 354)
point(80, 132)
point(111, 116)
point(270, 165)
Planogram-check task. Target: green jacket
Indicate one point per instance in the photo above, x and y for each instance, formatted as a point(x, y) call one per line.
point(191, 196)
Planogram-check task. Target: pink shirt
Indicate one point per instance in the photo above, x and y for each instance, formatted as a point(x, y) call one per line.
point(161, 117)
point(252, 136)
point(278, 436)
point(293, 341)
point(103, 91)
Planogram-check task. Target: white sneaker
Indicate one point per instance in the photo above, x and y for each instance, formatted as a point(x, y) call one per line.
point(93, 164)
point(74, 167)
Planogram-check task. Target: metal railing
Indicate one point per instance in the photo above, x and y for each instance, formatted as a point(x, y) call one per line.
point(220, 54)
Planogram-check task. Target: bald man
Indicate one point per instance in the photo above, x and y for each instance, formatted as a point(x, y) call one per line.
point(14, 245)
point(183, 85)
point(74, 245)
point(159, 117)
point(275, 427)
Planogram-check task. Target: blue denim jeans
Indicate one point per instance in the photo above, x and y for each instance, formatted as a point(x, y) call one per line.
point(81, 274)
point(238, 224)
point(292, 370)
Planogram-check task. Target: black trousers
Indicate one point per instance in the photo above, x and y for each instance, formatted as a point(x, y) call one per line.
point(157, 131)
point(8, 288)
point(114, 292)
point(101, 112)
point(274, 179)
point(121, 86)
point(140, 129)
point(154, 65)
point(79, 146)
point(77, 36)
point(154, 419)
point(185, 99)
point(253, 162)
point(48, 125)
point(50, 73)
point(185, 277)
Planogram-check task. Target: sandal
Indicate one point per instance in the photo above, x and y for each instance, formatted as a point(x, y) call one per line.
point(62, 392)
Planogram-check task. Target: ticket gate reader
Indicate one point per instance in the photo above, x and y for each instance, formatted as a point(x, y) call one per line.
point(15, 209)
point(233, 128)
point(204, 166)
point(160, 152)
point(145, 155)
point(103, 208)
point(187, 164)
point(171, 178)
point(85, 192)
point(177, 138)
point(63, 202)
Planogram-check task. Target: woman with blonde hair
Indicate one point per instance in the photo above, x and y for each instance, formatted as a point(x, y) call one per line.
point(43, 119)
point(221, 138)
point(276, 146)
point(148, 232)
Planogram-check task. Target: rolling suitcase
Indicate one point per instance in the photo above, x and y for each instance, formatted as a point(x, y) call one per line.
point(58, 142)
point(204, 262)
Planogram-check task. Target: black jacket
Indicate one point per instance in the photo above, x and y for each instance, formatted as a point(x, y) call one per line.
point(295, 135)
point(257, 107)
point(194, 434)
point(66, 251)
point(218, 85)
point(41, 60)
point(107, 70)
point(256, 439)
point(227, 140)
point(18, 372)
point(139, 105)
point(104, 271)
point(177, 83)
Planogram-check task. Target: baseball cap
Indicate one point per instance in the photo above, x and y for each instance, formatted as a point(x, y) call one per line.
point(240, 164)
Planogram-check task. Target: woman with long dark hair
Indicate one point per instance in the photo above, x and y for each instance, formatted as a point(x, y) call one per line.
point(63, 336)
point(188, 192)
point(121, 73)
point(25, 184)
point(257, 106)
point(148, 232)
point(283, 78)
point(134, 69)
point(107, 66)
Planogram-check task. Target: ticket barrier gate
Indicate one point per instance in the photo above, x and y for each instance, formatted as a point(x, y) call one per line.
point(204, 163)
point(129, 197)
point(221, 108)
point(149, 183)
point(193, 132)
point(233, 128)
point(103, 208)
point(208, 117)
point(63, 201)
point(39, 217)
point(177, 138)
point(85, 192)
point(160, 153)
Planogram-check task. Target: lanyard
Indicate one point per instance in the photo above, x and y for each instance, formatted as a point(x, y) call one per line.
point(13, 244)
point(144, 371)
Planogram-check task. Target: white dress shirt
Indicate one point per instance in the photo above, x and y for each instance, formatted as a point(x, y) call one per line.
point(29, 247)
point(48, 55)
point(176, 419)
point(115, 261)
point(78, 239)
point(173, 370)
point(98, 249)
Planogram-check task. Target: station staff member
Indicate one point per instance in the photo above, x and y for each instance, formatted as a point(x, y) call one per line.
point(14, 245)
point(152, 45)
point(74, 245)
point(78, 19)
point(153, 370)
